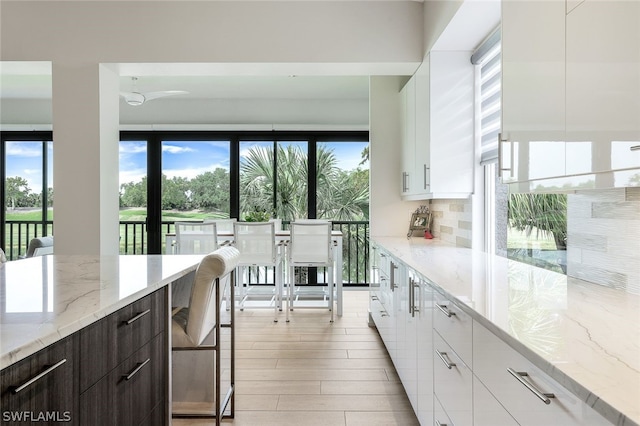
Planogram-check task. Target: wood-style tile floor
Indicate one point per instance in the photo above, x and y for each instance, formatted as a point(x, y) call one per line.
point(311, 372)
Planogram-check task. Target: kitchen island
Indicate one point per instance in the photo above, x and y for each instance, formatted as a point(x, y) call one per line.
point(584, 336)
point(83, 337)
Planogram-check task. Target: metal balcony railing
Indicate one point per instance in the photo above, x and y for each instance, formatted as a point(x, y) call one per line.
point(133, 240)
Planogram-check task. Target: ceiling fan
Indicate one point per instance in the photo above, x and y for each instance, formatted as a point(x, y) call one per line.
point(136, 98)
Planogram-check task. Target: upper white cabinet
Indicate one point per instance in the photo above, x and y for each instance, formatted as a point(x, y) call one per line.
point(570, 94)
point(533, 90)
point(603, 88)
point(438, 150)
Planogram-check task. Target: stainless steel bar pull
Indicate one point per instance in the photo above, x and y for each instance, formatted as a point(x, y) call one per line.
point(520, 375)
point(136, 369)
point(137, 317)
point(440, 424)
point(445, 310)
point(445, 358)
point(39, 376)
point(635, 148)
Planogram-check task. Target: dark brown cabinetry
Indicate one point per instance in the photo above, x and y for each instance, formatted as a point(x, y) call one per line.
point(41, 388)
point(115, 371)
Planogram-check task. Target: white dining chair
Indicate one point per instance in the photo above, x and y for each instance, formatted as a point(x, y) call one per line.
point(194, 326)
point(196, 237)
point(256, 243)
point(223, 226)
point(309, 245)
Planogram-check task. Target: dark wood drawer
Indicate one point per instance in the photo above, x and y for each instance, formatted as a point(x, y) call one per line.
point(129, 394)
point(108, 342)
point(46, 386)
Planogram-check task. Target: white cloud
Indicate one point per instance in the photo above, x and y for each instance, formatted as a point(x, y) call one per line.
point(132, 148)
point(133, 175)
point(32, 171)
point(172, 149)
point(22, 149)
point(190, 173)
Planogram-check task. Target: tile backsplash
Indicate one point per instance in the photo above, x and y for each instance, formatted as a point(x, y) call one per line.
point(452, 221)
point(603, 237)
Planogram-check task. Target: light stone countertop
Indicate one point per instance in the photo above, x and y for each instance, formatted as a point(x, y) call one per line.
point(44, 299)
point(585, 336)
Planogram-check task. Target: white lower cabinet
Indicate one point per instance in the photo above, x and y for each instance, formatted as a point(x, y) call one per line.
point(440, 417)
point(525, 391)
point(453, 383)
point(424, 347)
point(454, 370)
point(487, 411)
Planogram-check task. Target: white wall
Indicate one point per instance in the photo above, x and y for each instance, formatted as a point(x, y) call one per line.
point(219, 31)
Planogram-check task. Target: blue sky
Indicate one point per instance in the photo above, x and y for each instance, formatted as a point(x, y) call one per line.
point(24, 159)
point(189, 159)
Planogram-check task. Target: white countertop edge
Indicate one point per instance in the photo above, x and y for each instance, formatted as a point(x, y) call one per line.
point(31, 348)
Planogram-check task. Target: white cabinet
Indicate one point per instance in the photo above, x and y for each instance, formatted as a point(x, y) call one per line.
point(570, 94)
point(437, 142)
point(487, 411)
point(525, 391)
point(603, 88)
point(424, 347)
point(408, 112)
point(454, 325)
point(533, 90)
point(406, 344)
point(453, 383)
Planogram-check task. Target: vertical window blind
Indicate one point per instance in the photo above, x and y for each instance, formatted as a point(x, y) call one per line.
point(488, 58)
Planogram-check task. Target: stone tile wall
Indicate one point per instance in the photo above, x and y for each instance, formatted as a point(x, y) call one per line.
point(603, 237)
point(452, 221)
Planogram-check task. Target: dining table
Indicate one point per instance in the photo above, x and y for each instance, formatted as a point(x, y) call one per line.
point(283, 236)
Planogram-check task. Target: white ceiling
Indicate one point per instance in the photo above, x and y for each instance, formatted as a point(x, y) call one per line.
point(32, 80)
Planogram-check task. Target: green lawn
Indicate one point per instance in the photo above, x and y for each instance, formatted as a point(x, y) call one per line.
point(517, 239)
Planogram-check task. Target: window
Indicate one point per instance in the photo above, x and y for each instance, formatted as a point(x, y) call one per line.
point(530, 228)
point(27, 172)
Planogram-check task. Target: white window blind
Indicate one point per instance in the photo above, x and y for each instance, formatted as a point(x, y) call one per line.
point(488, 58)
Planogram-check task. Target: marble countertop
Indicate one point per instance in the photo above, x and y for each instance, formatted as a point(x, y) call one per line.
point(43, 299)
point(585, 336)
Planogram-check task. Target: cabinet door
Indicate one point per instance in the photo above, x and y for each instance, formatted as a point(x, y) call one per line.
point(487, 411)
point(422, 160)
point(406, 350)
point(455, 326)
point(453, 383)
point(424, 349)
point(128, 394)
point(408, 96)
point(451, 124)
point(492, 359)
point(42, 385)
point(533, 90)
point(603, 88)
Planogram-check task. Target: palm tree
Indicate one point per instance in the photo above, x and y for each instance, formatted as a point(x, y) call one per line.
point(341, 195)
point(546, 213)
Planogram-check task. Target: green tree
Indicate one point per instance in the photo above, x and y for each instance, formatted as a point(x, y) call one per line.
point(134, 194)
point(546, 213)
point(17, 192)
point(174, 193)
point(210, 191)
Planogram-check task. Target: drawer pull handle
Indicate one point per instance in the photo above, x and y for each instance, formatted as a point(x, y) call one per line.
point(135, 370)
point(137, 317)
point(445, 310)
point(445, 358)
point(440, 424)
point(39, 376)
point(519, 375)
point(635, 148)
